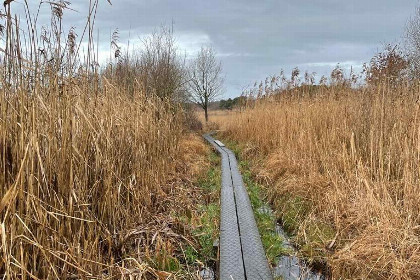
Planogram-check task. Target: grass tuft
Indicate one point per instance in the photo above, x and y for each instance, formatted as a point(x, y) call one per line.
point(264, 216)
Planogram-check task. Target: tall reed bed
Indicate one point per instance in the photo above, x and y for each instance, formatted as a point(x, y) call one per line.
point(90, 166)
point(76, 172)
point(342, 169)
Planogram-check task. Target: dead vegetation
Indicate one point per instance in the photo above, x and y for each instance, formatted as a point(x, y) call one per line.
point(342, 169)
point(93, 167)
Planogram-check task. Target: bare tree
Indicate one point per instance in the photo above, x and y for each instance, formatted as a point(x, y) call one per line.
point(162, 68)
point(205, 78)
point(158, 66)
point(413, 43)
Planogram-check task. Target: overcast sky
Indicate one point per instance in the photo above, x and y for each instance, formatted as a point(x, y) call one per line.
point(256, 38)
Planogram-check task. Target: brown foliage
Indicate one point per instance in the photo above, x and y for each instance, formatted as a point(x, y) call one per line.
point(92, 169)
point(351, 160)
point(389, 66)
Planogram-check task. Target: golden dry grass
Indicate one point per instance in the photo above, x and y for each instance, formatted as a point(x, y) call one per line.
point(351, 159)
point(86, 182)
point(95, 168)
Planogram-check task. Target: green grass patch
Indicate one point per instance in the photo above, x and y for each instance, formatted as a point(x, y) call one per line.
point(294, 210)
point(265, 218)
point(207, 229)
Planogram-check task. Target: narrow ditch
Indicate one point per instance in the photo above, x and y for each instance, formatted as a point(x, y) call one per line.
point(290, 267)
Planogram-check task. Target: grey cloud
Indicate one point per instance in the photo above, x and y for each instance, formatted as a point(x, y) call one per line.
point(258, 38)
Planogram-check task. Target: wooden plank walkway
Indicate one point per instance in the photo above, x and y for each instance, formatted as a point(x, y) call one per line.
point(242, 254)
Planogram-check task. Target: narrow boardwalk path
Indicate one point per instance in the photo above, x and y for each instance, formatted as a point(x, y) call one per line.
point(242, 254)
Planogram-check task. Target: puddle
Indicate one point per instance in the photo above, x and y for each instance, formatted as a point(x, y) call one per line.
point(207, 274)
point(292, 268)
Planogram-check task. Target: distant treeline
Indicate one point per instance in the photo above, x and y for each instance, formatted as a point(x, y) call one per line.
point(230, 103)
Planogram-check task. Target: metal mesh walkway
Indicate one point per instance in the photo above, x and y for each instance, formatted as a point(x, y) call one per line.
point(242, 255)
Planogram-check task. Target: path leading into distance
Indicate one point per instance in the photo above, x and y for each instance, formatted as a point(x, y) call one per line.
point(242, 255)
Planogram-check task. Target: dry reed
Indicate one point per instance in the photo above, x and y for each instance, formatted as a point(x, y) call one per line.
point(91, 168)
point(350, 160)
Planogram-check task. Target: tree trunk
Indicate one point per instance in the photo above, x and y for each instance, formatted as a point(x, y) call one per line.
point(206, 105)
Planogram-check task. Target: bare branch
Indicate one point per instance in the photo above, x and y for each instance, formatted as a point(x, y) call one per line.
point(205, 78)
